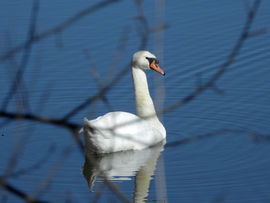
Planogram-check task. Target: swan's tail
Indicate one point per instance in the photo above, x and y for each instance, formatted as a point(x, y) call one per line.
point(90, 130)
point(86, 123)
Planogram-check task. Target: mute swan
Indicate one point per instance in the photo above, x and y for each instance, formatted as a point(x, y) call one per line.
point(119, 131)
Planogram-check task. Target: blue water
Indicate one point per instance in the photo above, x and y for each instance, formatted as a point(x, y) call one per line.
point(232, 166)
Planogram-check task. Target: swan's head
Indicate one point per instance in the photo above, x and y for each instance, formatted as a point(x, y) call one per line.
point(145, 60)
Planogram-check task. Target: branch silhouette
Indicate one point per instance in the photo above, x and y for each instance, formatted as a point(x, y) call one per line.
point(57, 29)
point(18, 192)
point(211, 83)
point(63, 122)
point(144, 31)
point(25, 57)
point(245, 34)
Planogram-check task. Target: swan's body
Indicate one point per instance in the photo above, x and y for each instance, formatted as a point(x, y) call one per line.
point(119, 131)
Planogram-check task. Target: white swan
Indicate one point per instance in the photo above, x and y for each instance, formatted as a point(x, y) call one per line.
point(119, 131)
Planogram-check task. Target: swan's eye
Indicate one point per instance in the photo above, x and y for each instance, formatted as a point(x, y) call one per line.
point(152, 59)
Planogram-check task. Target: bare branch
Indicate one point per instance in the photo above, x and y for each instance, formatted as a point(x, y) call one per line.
point(54, 170)
point(254, 136)
point(142, 26)
point(32, 117)
point(26, 54)
point(18, 192)
point(231, 58)
point(57, 29)
point(217, 89)
point(199, 137)
point(257, 32)
point(109, 86)
point(38, 164)
point(118, 54)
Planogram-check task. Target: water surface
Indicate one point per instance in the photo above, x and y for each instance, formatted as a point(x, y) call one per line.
point(232, 166)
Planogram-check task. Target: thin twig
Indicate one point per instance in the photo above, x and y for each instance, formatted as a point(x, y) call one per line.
point(97, 80)
point(37, 165)
point(18, 192)
point(112, 83)
point(254, 136)
point(231, 58)
point(44, 183)
point(26, 54)
point(58, 122)
point(118, 54)
point(210, 83)
point(58, 29)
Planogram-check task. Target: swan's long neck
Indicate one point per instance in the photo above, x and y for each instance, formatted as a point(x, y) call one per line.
point(144, 103)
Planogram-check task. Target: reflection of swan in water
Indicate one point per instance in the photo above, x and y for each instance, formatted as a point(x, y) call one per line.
point(124, 165)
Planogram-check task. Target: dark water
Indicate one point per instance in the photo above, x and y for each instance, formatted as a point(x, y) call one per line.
point(230, 166)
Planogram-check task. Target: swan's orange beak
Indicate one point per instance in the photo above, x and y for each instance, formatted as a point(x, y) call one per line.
point(156, 67)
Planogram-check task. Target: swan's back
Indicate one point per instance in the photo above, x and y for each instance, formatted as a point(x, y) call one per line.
point(119, 131)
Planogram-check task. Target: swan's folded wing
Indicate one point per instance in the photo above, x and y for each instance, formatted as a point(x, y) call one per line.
point(118, 131)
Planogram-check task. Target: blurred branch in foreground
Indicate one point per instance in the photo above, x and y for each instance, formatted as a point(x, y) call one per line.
point(254, 136)
point(246, 33)
point(144, 31)
point(26, 54)
point(19, 193)
point(58, 29)
point(61, 122)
